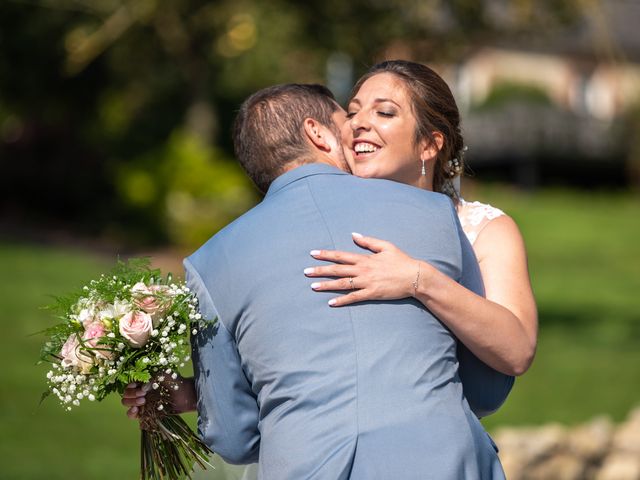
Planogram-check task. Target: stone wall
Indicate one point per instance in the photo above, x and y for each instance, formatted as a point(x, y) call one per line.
point(596, 450)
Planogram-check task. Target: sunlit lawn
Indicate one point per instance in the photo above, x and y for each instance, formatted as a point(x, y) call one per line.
point(95, 441)
point(585, 266)
point(584, 258)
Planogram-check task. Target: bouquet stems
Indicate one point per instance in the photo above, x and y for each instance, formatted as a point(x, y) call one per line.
point(169, 449)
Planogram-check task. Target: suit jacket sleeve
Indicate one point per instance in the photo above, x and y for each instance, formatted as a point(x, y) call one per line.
point(227, 408)
point(486, 389)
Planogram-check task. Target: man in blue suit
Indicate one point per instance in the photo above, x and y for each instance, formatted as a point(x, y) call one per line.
point(370, 391)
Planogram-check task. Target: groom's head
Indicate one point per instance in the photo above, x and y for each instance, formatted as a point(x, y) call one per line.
point(285, 126)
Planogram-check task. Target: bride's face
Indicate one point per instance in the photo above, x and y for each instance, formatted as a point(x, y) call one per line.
point(379, 134)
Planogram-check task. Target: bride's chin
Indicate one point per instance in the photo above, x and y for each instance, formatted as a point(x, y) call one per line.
point(363, 172)
point(361, 168)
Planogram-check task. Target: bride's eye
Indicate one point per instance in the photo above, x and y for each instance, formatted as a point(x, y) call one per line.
point(386, 114)
point(351, 114)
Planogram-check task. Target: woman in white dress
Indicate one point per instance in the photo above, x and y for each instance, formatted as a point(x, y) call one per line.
point(403, 124)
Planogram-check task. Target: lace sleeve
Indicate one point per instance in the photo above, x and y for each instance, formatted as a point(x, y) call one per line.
point(474, 216)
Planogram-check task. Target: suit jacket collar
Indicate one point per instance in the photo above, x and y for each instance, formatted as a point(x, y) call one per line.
point(301, 172)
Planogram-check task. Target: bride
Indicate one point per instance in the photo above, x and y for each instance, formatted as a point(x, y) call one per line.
point(403, 124)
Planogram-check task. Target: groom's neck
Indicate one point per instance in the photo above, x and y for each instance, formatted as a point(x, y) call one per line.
point(316, 160)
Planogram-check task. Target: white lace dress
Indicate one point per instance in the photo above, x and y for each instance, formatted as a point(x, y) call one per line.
point(474, 216)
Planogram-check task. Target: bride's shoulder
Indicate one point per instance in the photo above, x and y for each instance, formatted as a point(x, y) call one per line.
point(475, 213)
point(475, 216)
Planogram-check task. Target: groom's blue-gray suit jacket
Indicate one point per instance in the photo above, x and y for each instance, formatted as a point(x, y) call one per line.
point(369, 391)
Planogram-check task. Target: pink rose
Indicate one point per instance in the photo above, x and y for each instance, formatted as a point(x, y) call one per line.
point(136, 328)
point(159, 289)
point(93, 332)
point(149, 299)
point(73, 357)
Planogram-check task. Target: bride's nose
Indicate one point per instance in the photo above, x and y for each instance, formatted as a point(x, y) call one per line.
point(358, 121)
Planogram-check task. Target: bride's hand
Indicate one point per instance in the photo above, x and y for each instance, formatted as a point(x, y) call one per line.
point(387, 274)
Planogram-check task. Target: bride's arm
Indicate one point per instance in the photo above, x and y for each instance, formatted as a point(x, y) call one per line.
point(500, 329)
point(509, 310)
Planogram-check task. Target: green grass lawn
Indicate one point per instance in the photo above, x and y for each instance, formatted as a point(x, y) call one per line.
point(584, 261)
point(585, 266)
point(94, 441)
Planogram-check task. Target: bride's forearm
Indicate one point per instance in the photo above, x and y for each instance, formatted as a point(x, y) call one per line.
point(501, 331)
point(492, 332)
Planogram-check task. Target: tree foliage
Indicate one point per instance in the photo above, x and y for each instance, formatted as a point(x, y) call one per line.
point(115, 114)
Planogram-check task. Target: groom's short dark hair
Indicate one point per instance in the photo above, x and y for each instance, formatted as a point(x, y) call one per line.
point(268, 131)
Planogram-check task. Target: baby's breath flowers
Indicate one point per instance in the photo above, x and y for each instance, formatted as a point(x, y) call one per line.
point(132, 325)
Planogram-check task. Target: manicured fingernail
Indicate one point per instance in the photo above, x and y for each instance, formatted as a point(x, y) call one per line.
point(313, 253)
point(332, 302)
point(309, 271)
point(356, 235)
point(134, 410)
point(141, 401)
point(315, 285)
point(146, 387)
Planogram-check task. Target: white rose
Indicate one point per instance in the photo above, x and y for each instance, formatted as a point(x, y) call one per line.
point(136, 328)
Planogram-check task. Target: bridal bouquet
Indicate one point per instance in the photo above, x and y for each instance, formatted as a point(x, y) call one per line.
point(132, 325)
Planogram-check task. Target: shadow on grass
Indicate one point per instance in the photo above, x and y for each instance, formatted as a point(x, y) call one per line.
point(610, 325)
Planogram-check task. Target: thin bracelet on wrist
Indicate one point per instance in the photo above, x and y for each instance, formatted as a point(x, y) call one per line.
point(416, 281)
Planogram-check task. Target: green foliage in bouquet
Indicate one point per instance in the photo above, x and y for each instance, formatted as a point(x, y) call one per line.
point(129, 326)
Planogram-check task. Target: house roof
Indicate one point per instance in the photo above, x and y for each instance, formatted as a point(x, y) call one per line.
point(606, 31)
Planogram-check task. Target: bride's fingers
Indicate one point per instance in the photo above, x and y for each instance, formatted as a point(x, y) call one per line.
point(348, 299)
point(340, 284)
point(336, 256)
point(370, 243)
point(337, 270)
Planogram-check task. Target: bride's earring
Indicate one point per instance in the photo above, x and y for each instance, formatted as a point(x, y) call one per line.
point(424, 170)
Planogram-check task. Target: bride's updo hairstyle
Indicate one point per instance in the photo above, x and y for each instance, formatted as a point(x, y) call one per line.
point(435, 109)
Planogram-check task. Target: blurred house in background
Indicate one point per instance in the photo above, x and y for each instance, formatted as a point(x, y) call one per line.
point(118, 113)
point(556, 107)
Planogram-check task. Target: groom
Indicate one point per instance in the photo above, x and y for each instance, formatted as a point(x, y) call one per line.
point(362, 392)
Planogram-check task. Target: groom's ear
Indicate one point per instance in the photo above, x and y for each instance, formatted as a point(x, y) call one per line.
point(317, 134)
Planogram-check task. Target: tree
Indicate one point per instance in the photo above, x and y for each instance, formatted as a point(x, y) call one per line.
point(98, 98)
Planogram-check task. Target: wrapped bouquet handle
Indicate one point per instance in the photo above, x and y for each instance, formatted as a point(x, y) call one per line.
point(131, 325)
point(168, 447)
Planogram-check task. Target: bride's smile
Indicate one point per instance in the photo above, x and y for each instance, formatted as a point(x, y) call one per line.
point(362, 148)
point(379, 136)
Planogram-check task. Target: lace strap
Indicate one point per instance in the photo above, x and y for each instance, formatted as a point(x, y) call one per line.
point(474, 216)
